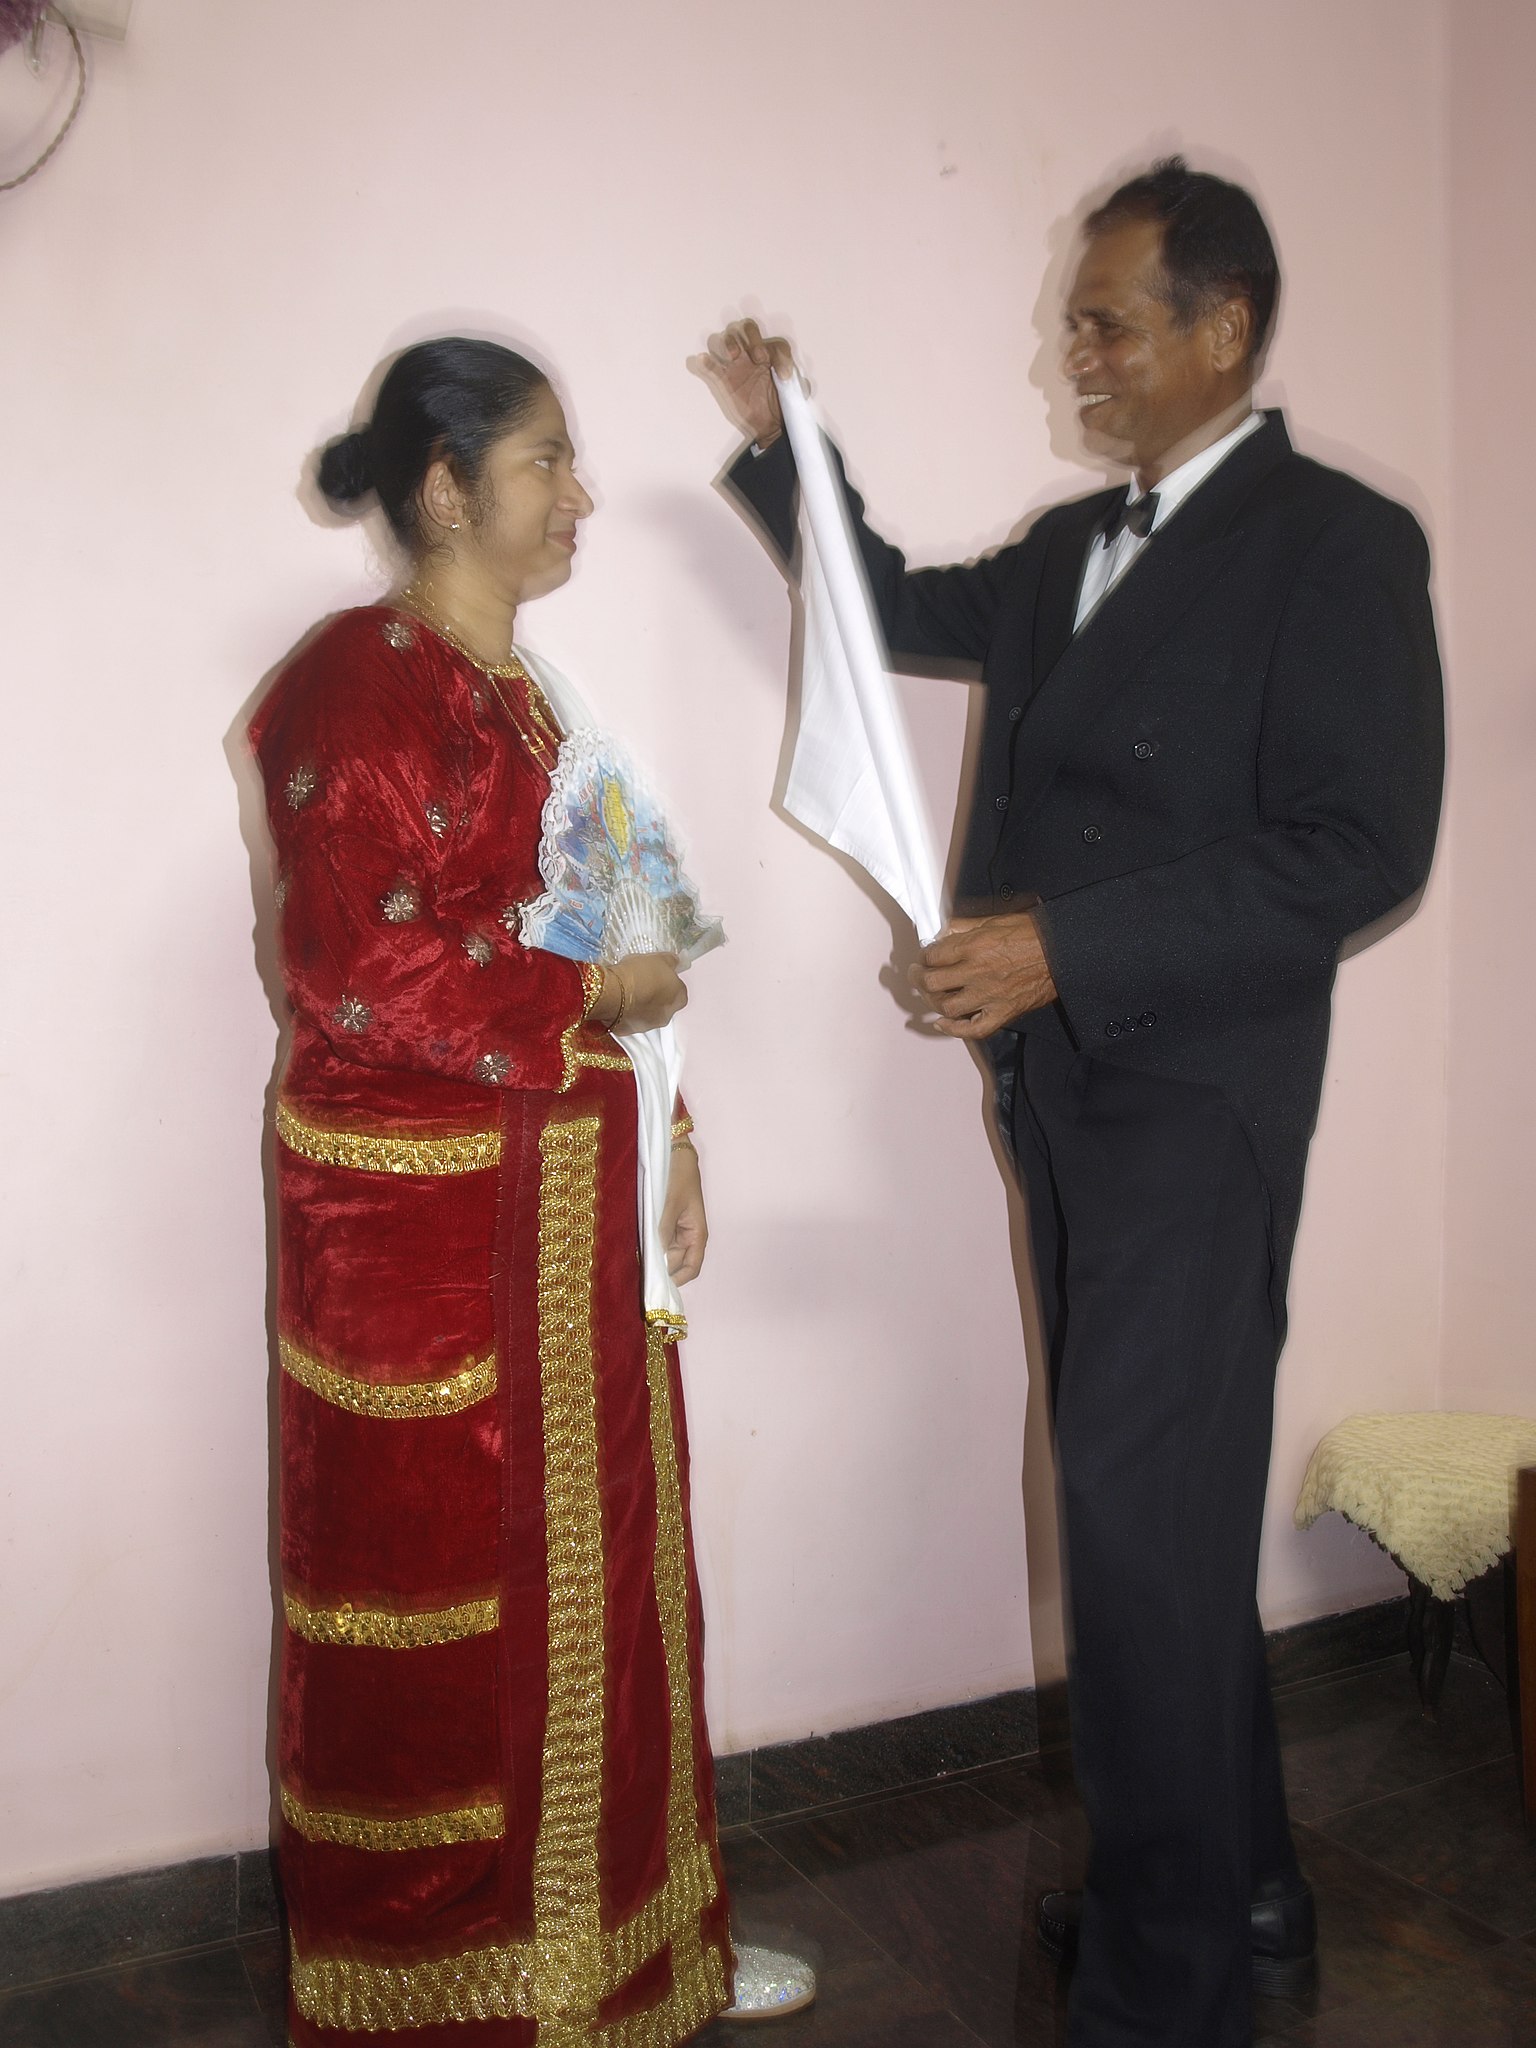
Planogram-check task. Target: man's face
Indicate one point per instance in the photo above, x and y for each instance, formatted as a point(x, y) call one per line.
point(1143, 385)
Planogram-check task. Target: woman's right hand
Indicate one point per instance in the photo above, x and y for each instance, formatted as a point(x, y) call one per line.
point(738, 366)
point(643, 992)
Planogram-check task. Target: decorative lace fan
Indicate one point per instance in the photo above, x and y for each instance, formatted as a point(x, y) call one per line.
point(615, 882)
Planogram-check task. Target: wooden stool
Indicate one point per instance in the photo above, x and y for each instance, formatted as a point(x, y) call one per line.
point(1437, 1493)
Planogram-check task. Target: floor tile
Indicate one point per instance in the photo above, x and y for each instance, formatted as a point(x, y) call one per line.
point(198, 2001)
point(1490, 2003)
point(1364, 1736)
point(1462, 1838)
point(863, 1998)
point(51, 1934)
point(1378, 1933)
point(1040, 1790)
point(946, 1882)
point(265, 1957)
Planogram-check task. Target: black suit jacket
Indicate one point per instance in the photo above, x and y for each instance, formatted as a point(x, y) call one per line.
point(1232, 767)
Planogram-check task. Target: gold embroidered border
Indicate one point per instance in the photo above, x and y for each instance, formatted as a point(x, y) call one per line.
point(500, 1982)
point(671, 1579)
point(576, 1056)
point(384, 1628)
point(410, 1831)
point(697, 1994)
point(405, 1401)
point(567, 1929)
point(378, 1152)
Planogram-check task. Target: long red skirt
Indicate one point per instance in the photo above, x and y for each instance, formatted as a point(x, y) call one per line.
point(498, 1805)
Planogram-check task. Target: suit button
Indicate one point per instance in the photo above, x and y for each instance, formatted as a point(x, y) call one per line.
point(1148, 1019)
point(1092, 834)
point(1128, 1024)
point(1145, 749)
point(1006, 891)
point(1015, 713)
point(1111, 1029)
point(1000, 803)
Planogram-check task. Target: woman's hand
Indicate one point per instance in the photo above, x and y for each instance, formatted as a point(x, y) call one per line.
point(684, 1226)
point(642, 993)
point(738, 366)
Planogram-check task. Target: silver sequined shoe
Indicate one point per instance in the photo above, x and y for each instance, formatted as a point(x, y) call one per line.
point(769, 1984)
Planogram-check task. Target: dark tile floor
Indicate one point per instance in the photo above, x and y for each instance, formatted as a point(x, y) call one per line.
point(916, 1906)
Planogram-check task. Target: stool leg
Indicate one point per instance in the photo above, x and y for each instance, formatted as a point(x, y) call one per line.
point(1418, 1601)
point(1439, 1629)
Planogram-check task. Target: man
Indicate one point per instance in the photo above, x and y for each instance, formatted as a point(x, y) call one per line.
point(1212, 751)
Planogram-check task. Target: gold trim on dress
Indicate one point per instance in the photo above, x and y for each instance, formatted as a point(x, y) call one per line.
point(499, 1982)
point(486, 1823)
point(576, 1056)
point(671, 1580)
point(385, 1628)
point(390, 1401)
point(568, 1943)
point(389, 1152)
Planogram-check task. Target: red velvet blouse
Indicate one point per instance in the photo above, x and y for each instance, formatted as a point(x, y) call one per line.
point(407, 833)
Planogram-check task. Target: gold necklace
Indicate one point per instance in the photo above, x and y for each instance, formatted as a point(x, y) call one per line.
point(426, 607)
point(547, 733)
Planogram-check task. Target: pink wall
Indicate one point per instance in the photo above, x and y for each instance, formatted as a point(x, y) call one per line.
point(258, 204)
point(1490, 1275)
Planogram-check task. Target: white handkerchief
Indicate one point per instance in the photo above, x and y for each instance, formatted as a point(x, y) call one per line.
point(851, 779)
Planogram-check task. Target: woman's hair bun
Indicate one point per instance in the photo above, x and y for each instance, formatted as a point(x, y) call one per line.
point(346, 467)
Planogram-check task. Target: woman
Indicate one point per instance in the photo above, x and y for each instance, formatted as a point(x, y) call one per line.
point(497, 1802)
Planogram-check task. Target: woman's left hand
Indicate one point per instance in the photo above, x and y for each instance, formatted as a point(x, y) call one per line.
point(684, 1226)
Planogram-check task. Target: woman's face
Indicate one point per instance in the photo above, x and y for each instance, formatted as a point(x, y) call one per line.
point(521, 524)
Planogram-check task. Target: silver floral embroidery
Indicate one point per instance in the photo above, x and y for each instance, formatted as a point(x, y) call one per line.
point(352, 1014)
point(401, 904)
point(280, 893)
point(399, 634)
point(439, 820)
point(512, 918)
point(479, 948)
point(492, 1068)
point(300, 786)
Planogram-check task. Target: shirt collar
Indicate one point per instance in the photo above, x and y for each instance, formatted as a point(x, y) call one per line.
point(1177, 485)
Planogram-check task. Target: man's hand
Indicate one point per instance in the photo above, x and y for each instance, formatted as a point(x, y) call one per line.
point(738, 366)
point(684, 1226)
point(984, 972)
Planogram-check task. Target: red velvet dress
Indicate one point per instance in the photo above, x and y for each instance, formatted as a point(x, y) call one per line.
point(498, 1807)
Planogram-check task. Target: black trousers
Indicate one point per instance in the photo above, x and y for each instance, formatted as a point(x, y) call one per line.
point(1152, 1247)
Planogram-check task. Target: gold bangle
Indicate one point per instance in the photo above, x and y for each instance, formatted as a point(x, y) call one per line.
point(685, 1145)
point(624, 1000)
point(683, 1128)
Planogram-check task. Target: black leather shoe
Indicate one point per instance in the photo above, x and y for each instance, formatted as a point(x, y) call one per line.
point(1284, 1926)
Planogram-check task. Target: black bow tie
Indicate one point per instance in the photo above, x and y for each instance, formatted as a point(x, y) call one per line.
point(1138, 516)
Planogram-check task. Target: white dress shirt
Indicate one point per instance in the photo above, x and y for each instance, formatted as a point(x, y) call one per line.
point(1106, 564)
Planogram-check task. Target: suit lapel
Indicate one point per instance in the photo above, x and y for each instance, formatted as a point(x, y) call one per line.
point(1061, 578)
point(1086, 671)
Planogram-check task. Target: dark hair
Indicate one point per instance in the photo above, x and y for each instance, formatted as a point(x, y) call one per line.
point(1215, 243)
point(441, 400)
